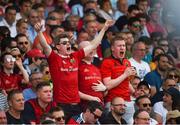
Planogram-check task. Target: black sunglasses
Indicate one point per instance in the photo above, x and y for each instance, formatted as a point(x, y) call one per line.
point(60, 118)
point(173, 76)
point(21, 43)
point(15, 56)
point(147, 104)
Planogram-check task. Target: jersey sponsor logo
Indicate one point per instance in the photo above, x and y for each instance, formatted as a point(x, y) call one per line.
point(92, 77)
point(70, 69)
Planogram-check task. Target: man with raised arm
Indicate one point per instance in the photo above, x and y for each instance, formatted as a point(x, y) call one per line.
point(64, 68)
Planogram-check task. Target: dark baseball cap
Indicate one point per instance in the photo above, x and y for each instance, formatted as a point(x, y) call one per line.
point(143, 83)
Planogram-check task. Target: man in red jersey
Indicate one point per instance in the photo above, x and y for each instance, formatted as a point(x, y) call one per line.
point(90, 85)
point(115, 72)
point(64, 68)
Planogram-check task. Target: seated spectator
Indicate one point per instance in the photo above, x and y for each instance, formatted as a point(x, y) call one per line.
point(34, 108)
point(141, 117)
point(47, 118)
point(154, 24)
point(10, 80)
point(9, 20)
point(173, 117)
point(138, 53)
point(57, 113)
point(170, 102)
point(35, 79)
point(22, 26)
point(35, 57)
point(3, 118)
point(156, 51)
point(168, 82)
point(155, 78)
point(16, 106)
point(91, 114)
point(23, 44)
point(117, 111)
point(3, 100)
point(144, 103)
point(143, 88)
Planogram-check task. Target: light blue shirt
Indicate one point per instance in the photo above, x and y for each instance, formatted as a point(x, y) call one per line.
point(29, 94)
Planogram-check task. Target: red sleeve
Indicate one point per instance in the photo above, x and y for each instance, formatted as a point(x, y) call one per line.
point(72, 121)
point(36, 41)
point(106, 68)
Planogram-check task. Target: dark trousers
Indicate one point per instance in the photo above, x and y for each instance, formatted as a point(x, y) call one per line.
point(70, 110)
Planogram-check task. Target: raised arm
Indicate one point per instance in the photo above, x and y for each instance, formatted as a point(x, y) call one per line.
point(45, 46)
point(23, 71)
point(97, 40)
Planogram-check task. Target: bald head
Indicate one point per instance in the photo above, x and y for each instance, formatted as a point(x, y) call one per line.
point(83, 44)
point(116, 100)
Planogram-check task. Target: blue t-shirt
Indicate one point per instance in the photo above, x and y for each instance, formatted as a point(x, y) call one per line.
point(153, 78)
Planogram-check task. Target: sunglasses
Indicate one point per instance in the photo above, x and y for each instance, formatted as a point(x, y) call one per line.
point(64, 42)
point(10, 59)
point(96, 116)
point(60, 118)
point(173, 76)
point(15, 56)
point(136, 25)
point(21, 43)
point(164, 45)
point(147, 104)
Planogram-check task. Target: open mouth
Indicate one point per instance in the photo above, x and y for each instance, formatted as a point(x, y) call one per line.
point(68, 48)
point(121, 53)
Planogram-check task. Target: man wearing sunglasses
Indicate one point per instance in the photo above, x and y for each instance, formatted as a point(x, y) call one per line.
point(64, 68)
point(144, 103)
point(90, 116)
point(58, 114)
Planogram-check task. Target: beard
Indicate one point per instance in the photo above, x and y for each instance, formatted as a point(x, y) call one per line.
point(162, 69)
point(120, 113)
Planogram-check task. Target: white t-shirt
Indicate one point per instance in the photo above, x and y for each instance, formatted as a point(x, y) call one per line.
point(159, 109)
point(141, 68)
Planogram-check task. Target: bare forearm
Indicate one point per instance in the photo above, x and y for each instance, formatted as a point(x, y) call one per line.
point(97, 40)
point(84, 96)
point(115, 82)
point(25, 75)
point(46, 48)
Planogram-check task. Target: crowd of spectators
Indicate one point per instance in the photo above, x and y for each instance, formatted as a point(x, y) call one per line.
point(89, 62)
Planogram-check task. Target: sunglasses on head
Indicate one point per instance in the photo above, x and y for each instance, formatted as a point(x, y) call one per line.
point(60, 118)
point(147, 104)
point(21, 43)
